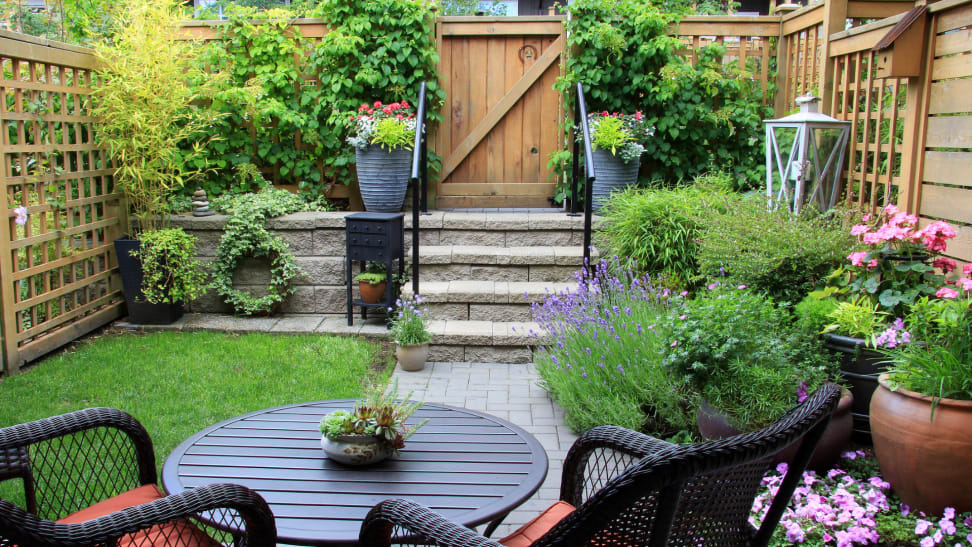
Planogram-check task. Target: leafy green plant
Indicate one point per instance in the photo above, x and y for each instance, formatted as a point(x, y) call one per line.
point(622, 134)
point(246, 235)
point(813, 311)
point(147, 117)
point(170, 271)
point(409, 325)
point(705, 115)
point(389, 126)
point(658, 230)
point(785, 256)
point(736, 348)
point(379, 413)
point(857, 318)
point(371, 278)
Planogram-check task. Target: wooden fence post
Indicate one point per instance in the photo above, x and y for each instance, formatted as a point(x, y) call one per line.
point(916, 118)
point(835, 16)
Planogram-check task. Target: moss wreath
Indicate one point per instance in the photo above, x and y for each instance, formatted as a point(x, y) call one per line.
point(245, 238)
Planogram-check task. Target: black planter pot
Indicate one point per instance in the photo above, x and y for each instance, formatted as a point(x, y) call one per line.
point(139, 310)
point(613, 174)
point(383, 177)
point(860, 367)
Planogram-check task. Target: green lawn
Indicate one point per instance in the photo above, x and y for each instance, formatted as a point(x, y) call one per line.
point(178, 383)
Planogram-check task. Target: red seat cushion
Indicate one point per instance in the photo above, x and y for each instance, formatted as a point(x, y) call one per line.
point(531, 531)
point(180, 532)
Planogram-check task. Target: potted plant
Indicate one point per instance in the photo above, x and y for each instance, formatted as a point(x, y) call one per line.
point(383, 137)
point(374, 430)
point(748, 364)
point(897, 263)
point(409, 328)
point(145, 107)
point(921, 413)
point(616, 151)
point(372, 282)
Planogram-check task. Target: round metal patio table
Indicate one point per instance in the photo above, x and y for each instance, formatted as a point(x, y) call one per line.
point(469, 466)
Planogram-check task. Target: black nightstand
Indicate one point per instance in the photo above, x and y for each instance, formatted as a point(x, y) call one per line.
point(378, 237)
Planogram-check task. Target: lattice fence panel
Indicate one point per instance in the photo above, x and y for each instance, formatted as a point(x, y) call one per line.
point(58, 270)
point(876, 108)
point(803, 61)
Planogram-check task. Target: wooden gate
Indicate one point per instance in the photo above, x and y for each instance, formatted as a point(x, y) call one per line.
point(501, 115)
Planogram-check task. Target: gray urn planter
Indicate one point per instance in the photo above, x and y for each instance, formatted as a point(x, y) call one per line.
point(612, 174)
point(383, 177)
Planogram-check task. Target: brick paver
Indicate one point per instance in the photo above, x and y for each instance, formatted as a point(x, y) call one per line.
point(507, 391)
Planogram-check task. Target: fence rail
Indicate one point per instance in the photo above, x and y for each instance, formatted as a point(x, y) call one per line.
point(58, 274)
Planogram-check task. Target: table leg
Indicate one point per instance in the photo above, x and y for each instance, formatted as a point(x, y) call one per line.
point(493, 525)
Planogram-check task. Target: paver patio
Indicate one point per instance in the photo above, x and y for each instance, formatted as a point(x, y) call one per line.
point(506, 391)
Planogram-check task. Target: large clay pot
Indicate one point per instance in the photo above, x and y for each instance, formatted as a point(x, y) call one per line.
point(412, 357)
point(383, 177)
point(859, 367)
point(927, 461)
point(372, 294)
point(715, 424)
point(613, 174)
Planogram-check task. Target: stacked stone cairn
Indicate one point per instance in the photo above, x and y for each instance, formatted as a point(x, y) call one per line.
point(200, 204)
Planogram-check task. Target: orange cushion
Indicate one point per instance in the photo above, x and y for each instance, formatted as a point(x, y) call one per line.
point(162, 534)
point(531, 531)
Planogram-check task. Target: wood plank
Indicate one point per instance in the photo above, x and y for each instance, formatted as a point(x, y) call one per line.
point(532, 109)
point(550, 102)
point(804, 20)
point(959, 41)
point(460, 98)
point(949, 132)
point(443, 131)
point(496, 113)
point(948, 167)
point(856, 42)
point(470, 202)
point(477, 107)
point(950, 97)
point(496, 28)
point(498, 189)
point(495, 89)
point(958, 66)
point(513, 136)
point(877, 10)
point(30, 51)
point(701, 26)
point(953, 204)
point(50, 342)
point(955, 18)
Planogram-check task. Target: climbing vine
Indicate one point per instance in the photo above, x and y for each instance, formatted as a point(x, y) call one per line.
point(288, 99)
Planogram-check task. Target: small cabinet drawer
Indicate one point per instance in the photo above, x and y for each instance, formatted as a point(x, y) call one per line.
point(367, 253)
point(367, 240)
point(367, 227)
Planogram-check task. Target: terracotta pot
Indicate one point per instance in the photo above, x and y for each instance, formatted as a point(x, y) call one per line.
point(859, 367)
point(927, 461)
point(372, 294)
point(715, 424)
point(356, 449)
point(412, 357)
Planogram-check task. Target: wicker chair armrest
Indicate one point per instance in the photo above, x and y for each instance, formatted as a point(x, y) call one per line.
point(421, 523)
point(260, 530)
point(610, 437)
point(22, 435)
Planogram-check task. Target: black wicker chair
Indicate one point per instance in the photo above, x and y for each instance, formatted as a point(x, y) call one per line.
point(68, 463)
point(631, 489)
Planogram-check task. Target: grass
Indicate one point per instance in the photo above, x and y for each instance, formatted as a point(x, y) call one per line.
point(178, 383)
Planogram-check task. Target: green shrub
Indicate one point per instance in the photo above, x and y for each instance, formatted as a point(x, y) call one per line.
point(813, 312)
point(740, 353)
point(782, 255)
point(657, 230)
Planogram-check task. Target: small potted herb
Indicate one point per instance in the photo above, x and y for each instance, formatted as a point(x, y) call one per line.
point(616, 139)
point(382, 138)
point(372, 282)
point(409, 328)
point(374, 430)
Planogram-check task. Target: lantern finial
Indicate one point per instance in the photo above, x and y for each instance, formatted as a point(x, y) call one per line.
point(808, 103)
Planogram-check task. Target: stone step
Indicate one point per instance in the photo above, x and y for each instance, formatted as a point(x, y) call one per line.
point(484, 300)
point(498, 229)
point(488, 263)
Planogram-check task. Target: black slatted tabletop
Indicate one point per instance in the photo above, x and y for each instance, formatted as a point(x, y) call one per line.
point(469, 466)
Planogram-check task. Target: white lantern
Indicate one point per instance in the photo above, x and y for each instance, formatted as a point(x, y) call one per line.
point(810, 172)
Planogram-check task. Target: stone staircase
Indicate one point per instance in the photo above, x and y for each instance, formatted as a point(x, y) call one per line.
point(481, 271)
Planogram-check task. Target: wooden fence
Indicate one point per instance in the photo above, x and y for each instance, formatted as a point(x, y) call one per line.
point(58, 274)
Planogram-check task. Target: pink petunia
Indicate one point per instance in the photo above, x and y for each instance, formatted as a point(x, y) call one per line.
point(857, 259)
point(946, 292)
point(966, 283)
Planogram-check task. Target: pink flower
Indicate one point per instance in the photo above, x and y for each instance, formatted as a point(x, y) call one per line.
point(867, 217)
point(638, 115)
point(741, 287)
point(890, 209)
point(921, 527)
point(404, 104)
point(946, 292)
point(871, 264)
point(966, 283)
point(675, 343)
point(944, 264)
point(860, 229)
point(605, 113)
point(21, 213)
point(857, 259)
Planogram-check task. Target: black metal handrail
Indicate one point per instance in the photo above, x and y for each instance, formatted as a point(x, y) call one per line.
point(420, 178)
point(580, 119)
